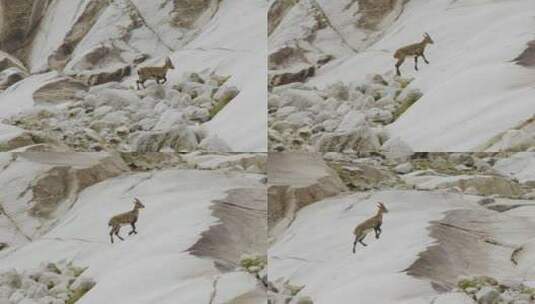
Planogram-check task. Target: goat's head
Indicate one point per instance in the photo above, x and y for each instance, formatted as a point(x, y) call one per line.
point(382, 207)
point(169, 63)
point(138, 204)
point(428, 39)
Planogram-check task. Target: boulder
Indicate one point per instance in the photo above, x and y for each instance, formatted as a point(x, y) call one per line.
point(296, 74)
point(488, 295)
point(396, 149)
point(295, 181)
point(180, 139)
point(301, 99)
point(226, 94)
point(404, 168)
point(60, 90)
point(453, 298)
point(363, 177)
point(10, 76)
point(360, 139)
point(215, 144)
point(351, 121)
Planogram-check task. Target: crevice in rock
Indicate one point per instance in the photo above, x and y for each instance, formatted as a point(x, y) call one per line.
point(514, 255)
point(11, 161)
point(277, 12)
point(139, 16)
point(13, 223)
point(213, 294)
point(316, 5)
point(79, 30)
point(139, 182)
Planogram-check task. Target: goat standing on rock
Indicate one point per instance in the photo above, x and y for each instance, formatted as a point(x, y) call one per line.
point(126, 218)
point(373, 223)
point(156, 73)
point(415, 49)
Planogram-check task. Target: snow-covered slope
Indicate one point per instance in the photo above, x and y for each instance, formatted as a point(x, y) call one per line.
point(472, 89)
point(154, 266)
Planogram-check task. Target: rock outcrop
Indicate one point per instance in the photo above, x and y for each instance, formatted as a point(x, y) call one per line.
point(295, 181)
point(52, 188)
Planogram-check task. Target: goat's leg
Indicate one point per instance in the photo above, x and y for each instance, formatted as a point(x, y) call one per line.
point(378, 232)
point(133, 229)
point(355, 243)
point(361, 239)
point(111, 234)
point(416, 62)
point(117, 233)
point(164, 79)
point(398, 64)
point(425, 59)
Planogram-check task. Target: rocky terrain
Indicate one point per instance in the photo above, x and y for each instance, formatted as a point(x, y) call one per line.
point(453, 217)
point(321, 43)
point(200, 236)
point(114, 117)
point(340, 118)
point(49, 284)
point(68, 72)
point(483, 289)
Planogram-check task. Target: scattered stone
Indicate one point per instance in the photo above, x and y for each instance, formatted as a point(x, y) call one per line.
point(341, 117)
point(487, 295)
point(404, 168)
point(111, 116)
point(51, 283)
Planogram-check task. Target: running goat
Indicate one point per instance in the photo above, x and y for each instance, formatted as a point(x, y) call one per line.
point(415, 49)
point(126, 218)
point(373, 223)
point(156, 73)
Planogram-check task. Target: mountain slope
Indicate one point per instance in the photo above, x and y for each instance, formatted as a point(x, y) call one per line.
point(155, 265)
point(101, 44)
point(473, 90)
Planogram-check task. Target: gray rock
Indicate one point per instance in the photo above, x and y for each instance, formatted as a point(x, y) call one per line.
point(361, 139)
point(225, 94)
point(303, 300)
point(453, 298)
point(397, 149)
point(404, 168)
point(351, 121)
point(488, 295)
point(11, 76)
point(215, 144)
point(301, 99)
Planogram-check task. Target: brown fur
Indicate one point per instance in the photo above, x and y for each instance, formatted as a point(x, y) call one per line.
point(156, 73)
point(415, 49)
point(373, 223)
point(126, 218)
